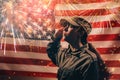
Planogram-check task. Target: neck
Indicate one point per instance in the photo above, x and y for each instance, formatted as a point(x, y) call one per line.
point(75, 47)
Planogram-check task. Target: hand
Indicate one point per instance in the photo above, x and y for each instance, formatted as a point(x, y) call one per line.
point(58, 35)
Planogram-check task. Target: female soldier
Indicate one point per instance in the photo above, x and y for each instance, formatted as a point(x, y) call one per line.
point(80, 61)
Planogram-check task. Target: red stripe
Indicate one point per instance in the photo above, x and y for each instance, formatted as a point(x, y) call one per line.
point(115, 76)
point(113, 63)
point(40, 50)
point(44, 62)
point(112, 50)
point(26, 48)
point(92, 12)
point(104, 37)
point(25, 73)
point(26, 61)
point(103, 24)
point(82, 1)
point(54, 2)
point(39, 74)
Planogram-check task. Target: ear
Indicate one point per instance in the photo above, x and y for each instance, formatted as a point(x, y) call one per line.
point(81, 33)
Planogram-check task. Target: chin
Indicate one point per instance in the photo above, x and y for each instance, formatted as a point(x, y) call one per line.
point(64, 39)
point(67, 39)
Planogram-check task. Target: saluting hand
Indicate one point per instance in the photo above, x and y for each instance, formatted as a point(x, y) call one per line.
point(58, 35)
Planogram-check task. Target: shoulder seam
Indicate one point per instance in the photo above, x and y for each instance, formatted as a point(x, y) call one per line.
point(93, 56)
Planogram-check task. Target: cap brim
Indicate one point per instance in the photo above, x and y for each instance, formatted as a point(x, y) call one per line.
point(69, 20)
point(80, 23)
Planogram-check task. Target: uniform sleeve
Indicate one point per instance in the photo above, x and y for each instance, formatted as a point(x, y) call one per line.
point(52, 50)
point(91, 71)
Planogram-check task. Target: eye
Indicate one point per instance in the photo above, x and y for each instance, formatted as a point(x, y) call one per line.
point(65, 24)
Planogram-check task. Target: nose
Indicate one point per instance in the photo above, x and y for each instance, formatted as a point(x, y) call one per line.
point(66, 29)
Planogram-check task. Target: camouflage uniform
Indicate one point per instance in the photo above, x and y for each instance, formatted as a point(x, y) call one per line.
point(78, 65)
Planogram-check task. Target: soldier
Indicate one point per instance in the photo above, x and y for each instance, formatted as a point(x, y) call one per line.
point(80, 61)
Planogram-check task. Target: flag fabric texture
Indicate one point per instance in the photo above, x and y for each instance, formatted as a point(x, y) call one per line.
point(26, 59)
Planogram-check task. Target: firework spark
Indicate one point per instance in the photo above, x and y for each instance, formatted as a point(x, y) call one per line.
point(23, 13)
point(22, 18)
point(32, 18)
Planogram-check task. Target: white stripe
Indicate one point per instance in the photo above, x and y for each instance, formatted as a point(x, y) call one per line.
point(111, 57)
point(20, 54)
point(114, 70)
point(29, 78)
point(90, 18)
point(106, 44)
point(5, 77)
point(32, 68)
point(104, 5)
point(43, 43)
point(29, 42)
point(96, 31)
point(114, 79)
point(43, 56)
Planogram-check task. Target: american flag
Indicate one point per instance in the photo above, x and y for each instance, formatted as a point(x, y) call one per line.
point(27, 60)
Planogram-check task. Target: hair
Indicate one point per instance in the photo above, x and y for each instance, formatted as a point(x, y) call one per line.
point(104, 73)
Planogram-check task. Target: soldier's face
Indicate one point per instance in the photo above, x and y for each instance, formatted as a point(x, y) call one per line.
point(70, 33)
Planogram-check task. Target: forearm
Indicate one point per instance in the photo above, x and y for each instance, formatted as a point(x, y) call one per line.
point(52, 50)
point(54, 46)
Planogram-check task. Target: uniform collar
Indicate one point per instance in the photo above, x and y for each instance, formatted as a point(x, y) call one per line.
point(78, 51)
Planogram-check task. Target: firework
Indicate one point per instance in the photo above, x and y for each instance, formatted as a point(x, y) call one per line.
point(21, 15)
point(23, 19)
point(34, 19)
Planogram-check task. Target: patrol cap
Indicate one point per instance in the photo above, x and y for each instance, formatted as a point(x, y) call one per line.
point(77, 22)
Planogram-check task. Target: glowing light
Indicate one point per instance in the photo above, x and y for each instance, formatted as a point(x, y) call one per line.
point(30, 16)
point(45, 7)
point(14, 73)
point(26, 16)
point(9, 77)
point(34, 74)
point(113, 69)
point(49, 29)
point(44, 32)
point(119, 60)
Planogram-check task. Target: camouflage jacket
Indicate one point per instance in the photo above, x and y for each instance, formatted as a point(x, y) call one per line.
point(73, 65)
